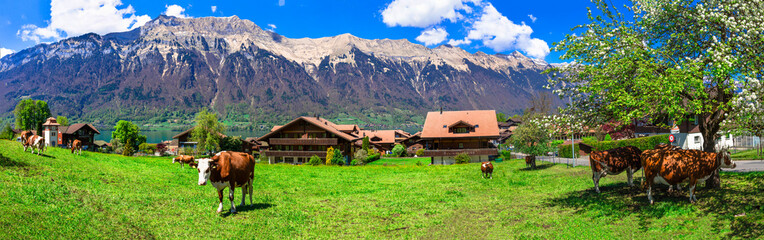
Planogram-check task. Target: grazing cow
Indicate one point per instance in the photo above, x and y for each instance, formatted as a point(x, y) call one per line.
point(671, 167)
point(530, 161)
point(613, 162)
point(25, 139)
point(77, 146)
point(184, 159)
point(228, 169)
point(37, 142)
point(487, 169)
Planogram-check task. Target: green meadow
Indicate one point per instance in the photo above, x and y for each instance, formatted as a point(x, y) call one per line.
point(65, 196)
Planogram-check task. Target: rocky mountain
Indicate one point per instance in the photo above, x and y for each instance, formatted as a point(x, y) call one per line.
point(171, 67)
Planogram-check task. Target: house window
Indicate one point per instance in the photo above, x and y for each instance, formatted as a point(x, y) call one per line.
point(461, 145)
point(461, 130)
point(697, 139)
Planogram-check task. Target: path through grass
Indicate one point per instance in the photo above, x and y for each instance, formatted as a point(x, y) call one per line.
point(108, 196)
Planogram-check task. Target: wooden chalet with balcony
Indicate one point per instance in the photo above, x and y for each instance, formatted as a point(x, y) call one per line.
point(384, 139)
point(298, 140)
point(447, 134)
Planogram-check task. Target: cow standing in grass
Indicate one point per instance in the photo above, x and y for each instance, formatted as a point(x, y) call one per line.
point(487, 169)
point(77, 146)
point(671, 167)
point(184, 159)
point(37, 142)
point(228, 169)
point(613, 162)
point(25, 135)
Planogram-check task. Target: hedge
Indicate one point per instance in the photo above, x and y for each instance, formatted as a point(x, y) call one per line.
point(643, 143)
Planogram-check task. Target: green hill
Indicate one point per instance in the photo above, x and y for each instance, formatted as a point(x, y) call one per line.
point(108, 196)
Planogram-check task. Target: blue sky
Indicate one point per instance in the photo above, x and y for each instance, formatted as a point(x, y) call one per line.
point(530, 27)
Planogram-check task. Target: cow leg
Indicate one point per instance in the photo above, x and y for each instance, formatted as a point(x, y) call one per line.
point(220, 200)
point(244, 189)
point(693, 183)
point(490, 176)
point(596, 178)
point(250, 191)
point(649, 180)
point(230, 197)
point(630, 176)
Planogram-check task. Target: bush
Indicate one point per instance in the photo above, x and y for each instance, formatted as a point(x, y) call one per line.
point(187, 151)
point(231, 143)
point(564, 151)
point(329, 155)
point(314, 161)
point(463, 158)
point(506, 155)
point(356, 162)
point(372, 158)
point(361, 155)
point(419, 163)
point(399, 150)
point(643, 143)
point(7, 133)
point(147, 148)
point(128, 149)
point(373, 151)
point(420, 152)
point(337, 158)
point(608, 138)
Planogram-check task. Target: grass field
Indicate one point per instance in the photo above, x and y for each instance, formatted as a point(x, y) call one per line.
point(747, 155)
point(400, 161)
point(107, 196)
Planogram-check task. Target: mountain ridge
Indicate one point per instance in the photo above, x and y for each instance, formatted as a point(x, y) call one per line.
point(233, 65)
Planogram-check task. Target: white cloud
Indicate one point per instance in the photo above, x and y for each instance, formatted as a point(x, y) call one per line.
point(175, 11)
point(271, 27)
point(214, 9)
point(482, 22)
point(77, 17)
point(5, 51)
point(500, 34)
point(281, 3)
point(423, 13)
point(533, 19)
point(432, 36)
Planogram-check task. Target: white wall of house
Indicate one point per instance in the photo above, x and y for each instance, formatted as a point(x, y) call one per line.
point(726, 141)
point(694, 141)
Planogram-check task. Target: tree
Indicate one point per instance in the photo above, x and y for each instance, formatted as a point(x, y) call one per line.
point(231, 143)
point(662, 60)
point(337, 158)
point(208, 131)
point(399, 150)
point(7, 132)
point(31, 114)
point(329, 155)
point(532, 137)
point(128, 134)
point(365, 144)
point(128, 150)
point(501, 117)
point(62, 120)
point(748, 114)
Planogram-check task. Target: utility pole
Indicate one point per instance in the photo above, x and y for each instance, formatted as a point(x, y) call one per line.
point(572, 137)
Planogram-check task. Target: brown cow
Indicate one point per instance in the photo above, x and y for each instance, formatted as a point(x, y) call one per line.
point(487, 169)
point(671, 167)
point(613, 162)
point(228, 169)
point(77, 146)
point(530, 161)
point(25, 139)
point(37, 142)
point(184, 159)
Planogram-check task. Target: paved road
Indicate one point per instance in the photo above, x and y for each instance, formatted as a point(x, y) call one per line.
point(742, 166)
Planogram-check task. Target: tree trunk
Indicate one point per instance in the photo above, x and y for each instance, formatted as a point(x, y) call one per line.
point(709, 145)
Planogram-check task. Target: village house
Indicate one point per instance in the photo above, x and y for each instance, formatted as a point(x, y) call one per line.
point(183, 140)
point(384, 139)
point(446, 134)
point(84, 132)
point(298, 140)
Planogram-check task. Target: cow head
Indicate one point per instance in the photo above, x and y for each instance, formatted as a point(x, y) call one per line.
point(205, 167)
point(174, 160)
point(724, 157)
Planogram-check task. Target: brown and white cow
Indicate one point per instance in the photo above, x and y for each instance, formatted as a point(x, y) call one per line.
point(613, 162)
point(228, 169)
point(184, 159)
point(36, 142)
point(671, 167)
point(77, 146)
point(25, 139)
point(487, 169)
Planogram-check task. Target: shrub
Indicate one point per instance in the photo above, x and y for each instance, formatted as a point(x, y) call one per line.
point(373, 151)
point(419, 163)
point(337, 158)
point(372, 158)
point(314, 161)
point(608, 138)
point(361, 155)
point(187, 151)
point(643, 143)
point(329, 155)
point(463, 158)
point(128, 149)
point(365, 145)
point(356, 162)
point(506, 155)
point(399, 150)
point(147, 148)
point(7, 133)
point(564, 151)
point(420, 152)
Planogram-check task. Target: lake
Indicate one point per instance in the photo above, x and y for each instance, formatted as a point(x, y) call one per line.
point(159, 136)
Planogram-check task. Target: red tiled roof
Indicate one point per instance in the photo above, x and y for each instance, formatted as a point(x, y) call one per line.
point(484, 121)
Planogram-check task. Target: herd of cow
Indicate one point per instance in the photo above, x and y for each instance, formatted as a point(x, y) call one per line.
point(665, 164)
